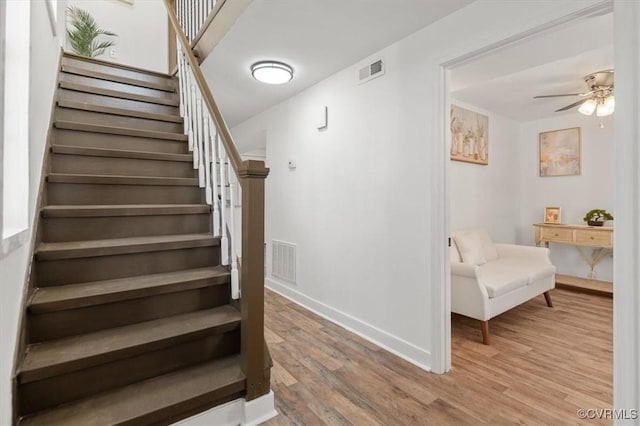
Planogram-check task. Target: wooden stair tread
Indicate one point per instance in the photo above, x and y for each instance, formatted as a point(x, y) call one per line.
point(120, 180)
point(123, 210)
point(142, 402)
point(120, 153)
point(78, 352)
point(113, 130)
point(86, 106)
point(169, 86)
point(173, 101)
point(79, 249)
point(71, 55)
point(57, 298)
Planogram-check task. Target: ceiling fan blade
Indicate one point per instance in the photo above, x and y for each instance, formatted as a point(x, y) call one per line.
point(575, 104)
point(564, 94)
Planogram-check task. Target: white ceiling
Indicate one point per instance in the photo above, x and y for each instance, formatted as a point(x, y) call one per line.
point(316, 37)
point(506, 81)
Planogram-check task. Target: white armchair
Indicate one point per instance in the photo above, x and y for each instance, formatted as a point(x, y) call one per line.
point(488, 279)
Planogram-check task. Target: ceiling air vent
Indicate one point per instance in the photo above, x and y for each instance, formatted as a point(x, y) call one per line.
point(372, 70)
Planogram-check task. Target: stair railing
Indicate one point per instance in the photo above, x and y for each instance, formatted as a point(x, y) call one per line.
point(225, 176)
point(193, 16)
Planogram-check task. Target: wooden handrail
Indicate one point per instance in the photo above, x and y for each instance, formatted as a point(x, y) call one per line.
point(223, 130)
point(251, 176)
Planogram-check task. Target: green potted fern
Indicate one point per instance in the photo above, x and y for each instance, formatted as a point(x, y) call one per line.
point(83, 32)
point(597, 217)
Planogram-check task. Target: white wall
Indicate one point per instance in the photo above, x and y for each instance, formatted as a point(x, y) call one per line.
point(576, 195)
point(348, 204)
point(360, 204)
point(141, 28)
point(488, 196)
point(44, 59)
point(15, 173)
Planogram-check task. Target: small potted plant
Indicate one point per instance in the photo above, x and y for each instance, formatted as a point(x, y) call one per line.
point(597, 217)
point(83, 31)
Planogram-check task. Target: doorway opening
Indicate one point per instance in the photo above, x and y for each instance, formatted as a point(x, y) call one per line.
point(510, 157)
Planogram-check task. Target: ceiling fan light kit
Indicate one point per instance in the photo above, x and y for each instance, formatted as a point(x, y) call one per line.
point(600, 95)
point(588, 107)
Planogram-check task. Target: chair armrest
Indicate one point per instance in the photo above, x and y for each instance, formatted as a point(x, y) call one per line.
point(531, 252)
point(464, 269)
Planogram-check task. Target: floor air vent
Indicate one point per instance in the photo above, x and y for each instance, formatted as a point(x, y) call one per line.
point(283, 261)
point(372, 70)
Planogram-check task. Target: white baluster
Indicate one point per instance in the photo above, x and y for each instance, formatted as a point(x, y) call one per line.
point(224, 242)
point(214, 176)
point(235, 285)
point(207, 157)
point(194, 22)
point(192, 115)
point(189, 109)
point(200, 139)
point(186, 19)
point(181, 79)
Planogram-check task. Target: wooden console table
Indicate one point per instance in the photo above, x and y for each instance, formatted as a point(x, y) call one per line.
point(598, 237)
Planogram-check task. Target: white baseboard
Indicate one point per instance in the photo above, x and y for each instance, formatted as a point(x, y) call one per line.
point(402, 348)
point(234, 413)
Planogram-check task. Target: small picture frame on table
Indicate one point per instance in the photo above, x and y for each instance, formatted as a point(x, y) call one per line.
point(552, 215)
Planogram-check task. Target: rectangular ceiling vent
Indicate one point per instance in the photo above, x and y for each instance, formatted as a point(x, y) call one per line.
point(283, 261)
point(372, 70)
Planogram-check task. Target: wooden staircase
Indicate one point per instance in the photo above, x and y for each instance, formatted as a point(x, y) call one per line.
point(129, 318)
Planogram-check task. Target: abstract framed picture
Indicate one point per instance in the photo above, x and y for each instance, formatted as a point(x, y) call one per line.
point(560, 152)
point(469, 136)
point(552, 215)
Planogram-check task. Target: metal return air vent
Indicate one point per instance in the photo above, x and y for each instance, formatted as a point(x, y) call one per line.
point(372, 70)
point(283, 261)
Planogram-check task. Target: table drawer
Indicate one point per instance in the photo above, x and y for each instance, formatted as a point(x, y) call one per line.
point(557, 234)
point(594, 238)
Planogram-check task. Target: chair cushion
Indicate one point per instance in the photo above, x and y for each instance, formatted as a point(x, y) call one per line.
point(500, 277)
point(490, 250)
point(470, 247)
point(507, 274)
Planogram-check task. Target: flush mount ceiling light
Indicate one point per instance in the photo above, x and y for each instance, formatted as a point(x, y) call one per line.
point(272, 72)
point(599, 95)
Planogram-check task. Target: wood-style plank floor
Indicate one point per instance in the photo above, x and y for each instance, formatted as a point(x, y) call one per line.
point(543, 365)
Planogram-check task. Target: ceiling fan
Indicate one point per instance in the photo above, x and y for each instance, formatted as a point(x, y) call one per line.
point(599, 95)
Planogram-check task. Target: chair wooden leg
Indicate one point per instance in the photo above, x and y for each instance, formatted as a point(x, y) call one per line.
point(485, 332)
point(547, 297)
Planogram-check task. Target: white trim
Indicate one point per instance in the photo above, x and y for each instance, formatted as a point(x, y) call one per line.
point(11, 243)
point(440, 275)
point(236, 412)
point(52, 11)
point(626, 271)
point(405, 350)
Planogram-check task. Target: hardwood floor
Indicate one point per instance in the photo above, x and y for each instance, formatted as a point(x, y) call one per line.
point(542, 366)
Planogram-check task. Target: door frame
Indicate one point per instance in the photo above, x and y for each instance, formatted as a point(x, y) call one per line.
point(627, 204)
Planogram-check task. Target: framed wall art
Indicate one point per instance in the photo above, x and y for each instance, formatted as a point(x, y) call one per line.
point(552, 215)
point(560, 152)
point(469, 136)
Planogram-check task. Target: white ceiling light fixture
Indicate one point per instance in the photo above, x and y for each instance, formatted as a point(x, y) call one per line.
point(272, 72)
